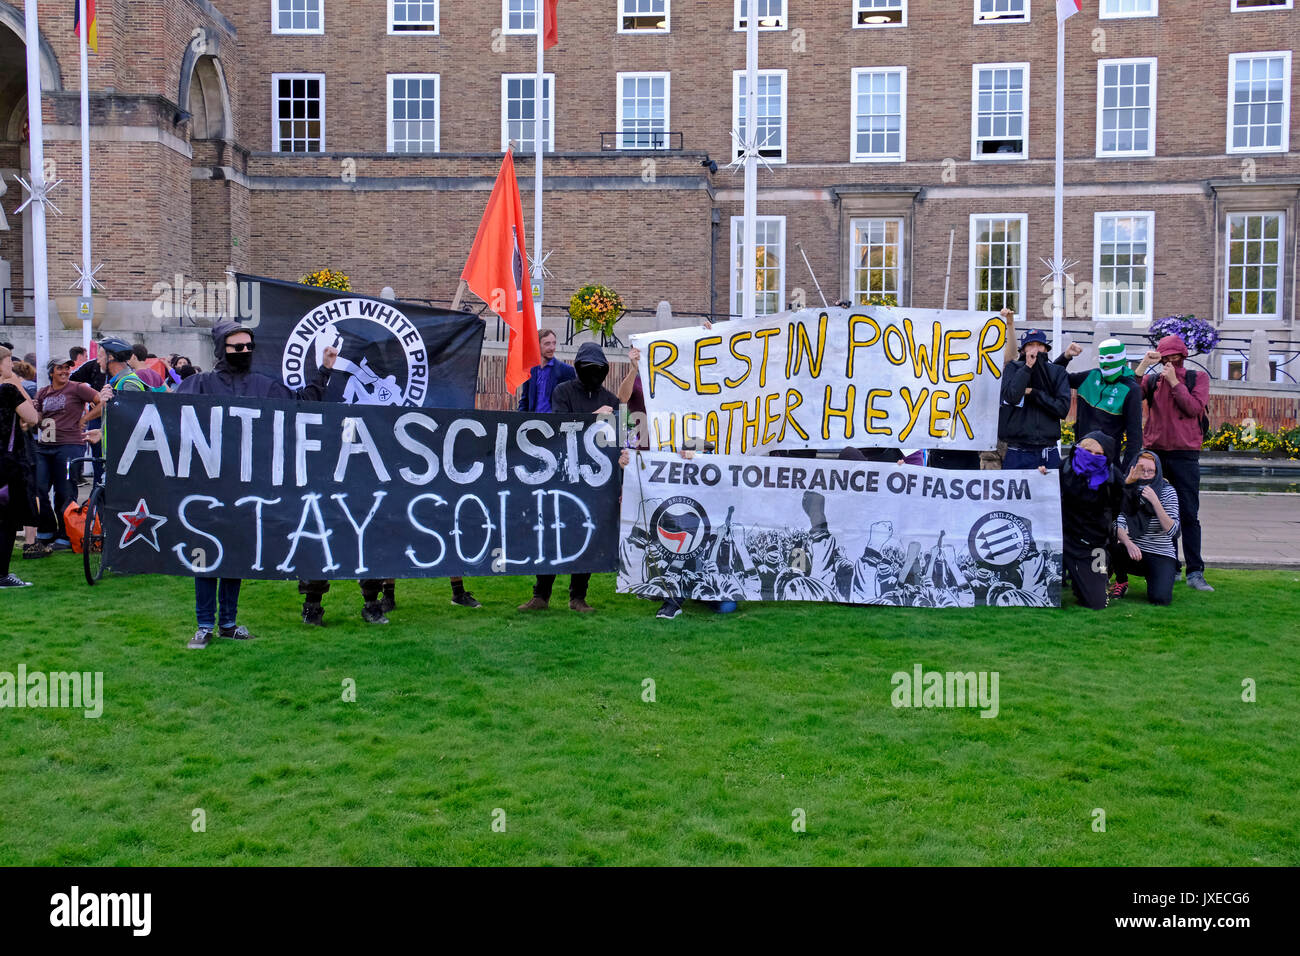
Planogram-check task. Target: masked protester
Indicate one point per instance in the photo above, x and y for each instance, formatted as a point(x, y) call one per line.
point(233, 376)
point(1091, 490)
point(1110, 399)
point(1147, 526)
point(1035, 397)
point(585, 394)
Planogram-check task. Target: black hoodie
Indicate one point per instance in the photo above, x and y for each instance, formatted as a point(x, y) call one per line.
point(223, 380)
point(1033, 420)
point(1087, 515)
point(585, 393)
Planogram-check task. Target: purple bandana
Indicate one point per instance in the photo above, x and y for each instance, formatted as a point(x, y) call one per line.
point(1093, 467)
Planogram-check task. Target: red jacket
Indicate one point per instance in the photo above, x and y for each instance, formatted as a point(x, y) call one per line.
point(1174, 420)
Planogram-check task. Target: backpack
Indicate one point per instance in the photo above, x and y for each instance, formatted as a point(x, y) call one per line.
point(1190, 382)
point(144, 386)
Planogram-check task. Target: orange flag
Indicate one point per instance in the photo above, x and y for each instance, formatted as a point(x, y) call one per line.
point(497, 272)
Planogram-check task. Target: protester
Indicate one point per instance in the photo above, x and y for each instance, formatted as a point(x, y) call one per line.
point(1035, 397)
point(217, 603)
point(537, 393)
point(78, 356)
point(1147, 527)
point(1091, 491)
point(139, 361)
point(27, 375)
point(15, 473)
point(1110, 399)
point(62, 405)
point(632, 395)
point(377, 598)
point(90, 371)
point(1176, 398)
point(584, 394)
point(114, 361)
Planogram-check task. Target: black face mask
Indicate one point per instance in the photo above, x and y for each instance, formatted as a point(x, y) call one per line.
point(239, 361)
point(591, 376)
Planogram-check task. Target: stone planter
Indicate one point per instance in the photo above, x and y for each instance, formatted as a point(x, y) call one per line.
point(66, 306)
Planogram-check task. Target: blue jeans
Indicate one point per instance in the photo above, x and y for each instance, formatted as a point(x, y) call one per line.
point(205, 601)
point(52, 472)
point(1022, 458)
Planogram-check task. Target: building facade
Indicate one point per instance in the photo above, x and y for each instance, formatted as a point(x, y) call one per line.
point(908, 151)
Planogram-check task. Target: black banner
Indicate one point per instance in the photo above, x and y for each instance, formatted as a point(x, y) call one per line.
point(262, 488)
point(390, 353)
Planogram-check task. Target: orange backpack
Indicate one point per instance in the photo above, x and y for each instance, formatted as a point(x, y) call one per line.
point(74, 523)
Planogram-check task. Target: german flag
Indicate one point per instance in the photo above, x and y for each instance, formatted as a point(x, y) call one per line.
point(92, 38)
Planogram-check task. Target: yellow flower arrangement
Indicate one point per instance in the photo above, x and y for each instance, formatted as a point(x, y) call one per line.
point(328, 279)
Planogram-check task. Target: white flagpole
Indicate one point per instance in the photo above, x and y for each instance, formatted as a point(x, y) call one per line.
point(1058, 254)
point(36, 141)
point(85, 175)
point(749, 255)
point(540, 143)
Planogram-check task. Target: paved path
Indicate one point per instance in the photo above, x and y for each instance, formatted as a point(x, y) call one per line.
point(1250, 529)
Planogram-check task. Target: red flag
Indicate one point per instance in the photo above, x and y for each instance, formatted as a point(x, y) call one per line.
point(497, 272)
point(92, 36)
point(551, 31)
point(1067, 8)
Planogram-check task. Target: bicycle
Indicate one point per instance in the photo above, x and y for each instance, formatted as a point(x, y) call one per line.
point(93, 542)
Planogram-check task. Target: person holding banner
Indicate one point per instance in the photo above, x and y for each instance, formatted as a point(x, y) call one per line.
point(1091, 489)
point(1035, 397)
point(232, 375)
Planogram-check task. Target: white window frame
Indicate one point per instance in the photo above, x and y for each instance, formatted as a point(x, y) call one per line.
point(972, 292)
point(983, 22)
point(437, 24)
point(1285, 145)
point(1101, 90)
point(1286, 5)
point(668, 103)
point(437, 116)
point(1103, 15)
point(974, 114)
point(785, 113)
point(858, 9)
point(1228, 360)
point(785, 18)
point(1098, 315)
point(737, 290)
point(1277, 315)
point(853, 257)
point(854, 155)
point(275, 22)
point(548, 81)
point(668, 20)
point(275, 108)
point(526, 32)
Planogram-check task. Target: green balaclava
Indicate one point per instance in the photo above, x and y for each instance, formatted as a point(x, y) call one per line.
point(1112, 359)
point(1105, 388)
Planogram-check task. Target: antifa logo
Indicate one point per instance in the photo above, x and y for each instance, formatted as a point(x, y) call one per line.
point(1000, 539)
point(680, 526)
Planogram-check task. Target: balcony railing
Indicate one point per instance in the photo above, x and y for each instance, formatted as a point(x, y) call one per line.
point(641, 139)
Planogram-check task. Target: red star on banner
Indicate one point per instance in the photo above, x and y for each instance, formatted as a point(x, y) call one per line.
point(141, 526)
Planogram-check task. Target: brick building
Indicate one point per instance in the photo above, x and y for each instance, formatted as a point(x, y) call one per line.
point(281, 136)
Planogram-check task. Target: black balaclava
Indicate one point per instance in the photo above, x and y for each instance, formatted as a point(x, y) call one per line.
point(238, 364)
point(591, 366)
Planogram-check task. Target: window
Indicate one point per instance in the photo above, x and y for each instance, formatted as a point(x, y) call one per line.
point(1238, 5)
point(770, 114)
point(997, 262)
point(1121, 265)
point(643, 16)
point(1254, 277)
point(1119, 9)
point(1235, 368)
point(1000, 108)
point(879, 115)
point(770, 260)
point(297, 16)
point(299, 111)
point(1001, 11)
point(519, 108)
point(643, 110)
point(877, 264)
point(771, 14)
point(1259, 102)
point(880, 13)
point(412, 16)
point(518, 16)
point(412, 112)
point(1126, 107)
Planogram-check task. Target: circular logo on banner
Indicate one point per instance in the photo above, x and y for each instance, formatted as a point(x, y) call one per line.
point(374, 378)
point(680, 526)
point(1000, 539)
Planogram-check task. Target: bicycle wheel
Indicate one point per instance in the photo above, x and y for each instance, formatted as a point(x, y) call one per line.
point(92, 543)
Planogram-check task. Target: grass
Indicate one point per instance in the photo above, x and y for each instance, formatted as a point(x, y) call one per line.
point(1135, 710)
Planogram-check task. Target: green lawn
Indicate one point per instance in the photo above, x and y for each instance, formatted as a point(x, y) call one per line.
point(1135, 710)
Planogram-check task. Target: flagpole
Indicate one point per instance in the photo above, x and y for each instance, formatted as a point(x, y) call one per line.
point(36, 142)
point(540, 145)
point(749, 256)
point(86, 289)
point(1058, 254)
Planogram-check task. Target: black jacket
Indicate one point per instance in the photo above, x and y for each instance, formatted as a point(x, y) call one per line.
point(1033, 420)
point(1087, 515)
point(223, 380)
point(579, 396)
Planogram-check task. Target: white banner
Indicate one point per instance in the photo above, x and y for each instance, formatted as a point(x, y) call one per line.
point(733, 528)
point(826, 378)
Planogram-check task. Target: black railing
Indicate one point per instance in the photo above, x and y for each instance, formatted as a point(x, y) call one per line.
point(15, 296)
point(632, 140)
